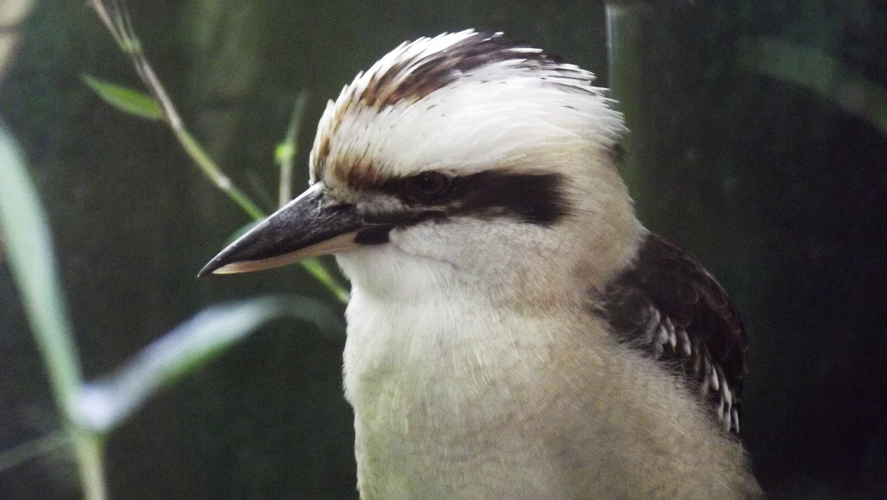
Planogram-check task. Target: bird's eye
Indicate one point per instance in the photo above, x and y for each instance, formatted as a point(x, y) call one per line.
point(426, 186)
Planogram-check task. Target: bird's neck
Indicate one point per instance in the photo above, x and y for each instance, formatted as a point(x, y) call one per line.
point(444, 355)
point(429, 327)
point(455, 391)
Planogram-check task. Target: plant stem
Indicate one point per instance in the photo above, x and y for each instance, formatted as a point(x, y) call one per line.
point(628, 32)
point(118, 24)
point(89, 448)
point(289, 149)
point(322, 274)
point(209, 168)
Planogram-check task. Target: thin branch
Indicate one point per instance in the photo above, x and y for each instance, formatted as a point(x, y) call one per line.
point(119, 25)
point(90, 450)
point(289, 149)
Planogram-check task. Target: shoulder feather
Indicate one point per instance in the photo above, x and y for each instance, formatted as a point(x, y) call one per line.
point(671, 308)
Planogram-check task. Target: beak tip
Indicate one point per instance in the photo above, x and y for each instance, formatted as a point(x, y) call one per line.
point(303, 228)
point(210, 268)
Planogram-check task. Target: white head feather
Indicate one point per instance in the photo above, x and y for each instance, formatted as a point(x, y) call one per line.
point(463, 120)
point(469, 102)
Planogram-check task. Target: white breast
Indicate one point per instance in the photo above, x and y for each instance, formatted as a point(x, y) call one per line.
point(439, 414)
point(457, 397)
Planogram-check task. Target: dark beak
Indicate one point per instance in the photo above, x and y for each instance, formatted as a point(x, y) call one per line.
point(305, 227)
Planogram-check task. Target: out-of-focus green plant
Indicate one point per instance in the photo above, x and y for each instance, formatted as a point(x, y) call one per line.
point(629, 24)
point(820, 72)
point(91, 410)
point(286, 151)
point(29, 253)
point(137, 103)
point(126, 99)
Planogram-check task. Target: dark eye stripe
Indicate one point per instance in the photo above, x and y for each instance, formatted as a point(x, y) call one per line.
point(535, 198)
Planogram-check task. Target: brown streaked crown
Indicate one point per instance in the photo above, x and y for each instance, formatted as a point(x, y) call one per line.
point(458, 103)
point(418, 75)
point(416, 69)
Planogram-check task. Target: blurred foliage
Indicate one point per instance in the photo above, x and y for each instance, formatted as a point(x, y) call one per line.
point(821, 73)
point(92, 410)
point(159, 105)
point(777, 190)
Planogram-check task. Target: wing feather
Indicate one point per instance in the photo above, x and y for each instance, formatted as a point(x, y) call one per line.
point(671, 308)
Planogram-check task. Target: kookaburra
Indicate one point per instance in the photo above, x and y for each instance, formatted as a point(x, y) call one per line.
point(513, 331)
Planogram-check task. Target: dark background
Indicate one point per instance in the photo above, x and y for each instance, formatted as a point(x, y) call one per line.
point(780, 192)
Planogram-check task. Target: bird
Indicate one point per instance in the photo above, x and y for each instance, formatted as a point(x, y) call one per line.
point(513, 330)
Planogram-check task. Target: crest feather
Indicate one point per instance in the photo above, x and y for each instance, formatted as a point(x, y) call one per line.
point(507, 87)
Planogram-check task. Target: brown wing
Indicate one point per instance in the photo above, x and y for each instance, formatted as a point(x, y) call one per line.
point(670, 307)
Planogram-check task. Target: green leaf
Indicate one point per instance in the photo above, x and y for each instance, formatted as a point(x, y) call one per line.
point(820, 72)
point(104, 404)
point(28, 450)
point(29, 250)
point(28, 242)
point(125, 99)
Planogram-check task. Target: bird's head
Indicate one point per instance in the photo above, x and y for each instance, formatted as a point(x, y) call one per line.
point(461, 159)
